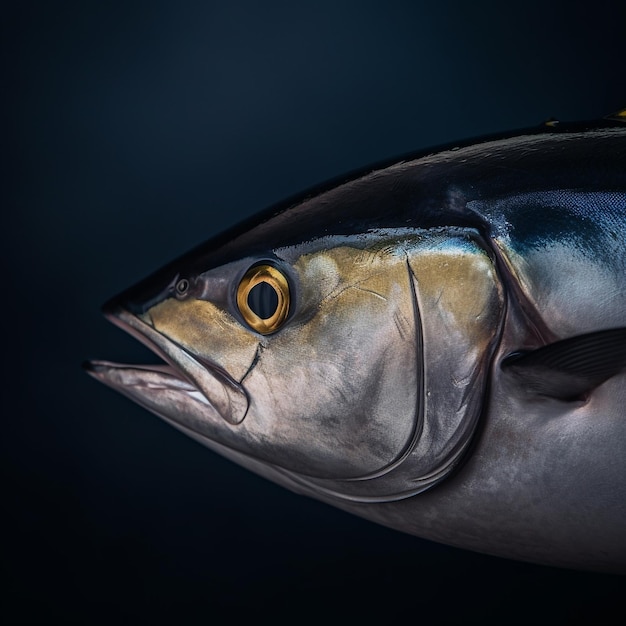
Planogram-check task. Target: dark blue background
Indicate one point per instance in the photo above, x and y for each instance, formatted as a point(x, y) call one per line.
point(135, 131)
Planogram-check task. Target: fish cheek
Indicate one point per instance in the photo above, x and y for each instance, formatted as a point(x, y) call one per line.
point(337, 396)
point(206, 331)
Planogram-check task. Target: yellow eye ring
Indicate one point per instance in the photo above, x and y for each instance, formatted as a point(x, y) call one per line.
point(257, 275)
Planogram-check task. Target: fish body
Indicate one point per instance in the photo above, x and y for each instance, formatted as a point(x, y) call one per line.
point(438, 345)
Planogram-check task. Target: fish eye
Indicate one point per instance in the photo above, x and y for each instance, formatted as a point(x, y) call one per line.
point(263, 298)
point(182, 286)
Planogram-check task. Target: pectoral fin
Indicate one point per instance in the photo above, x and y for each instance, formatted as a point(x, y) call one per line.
point(572, 368)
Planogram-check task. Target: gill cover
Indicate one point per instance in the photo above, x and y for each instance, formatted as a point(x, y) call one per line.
point(458, 305)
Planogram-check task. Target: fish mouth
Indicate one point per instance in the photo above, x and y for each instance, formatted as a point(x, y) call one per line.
point(182, 381)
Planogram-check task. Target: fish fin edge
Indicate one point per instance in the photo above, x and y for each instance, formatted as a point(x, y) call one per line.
point(618, 116)
point(570, 369)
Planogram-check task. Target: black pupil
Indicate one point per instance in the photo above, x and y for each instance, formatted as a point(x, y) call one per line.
point(263, 300)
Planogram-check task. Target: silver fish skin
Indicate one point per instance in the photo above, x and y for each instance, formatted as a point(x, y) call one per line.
point(437, 345)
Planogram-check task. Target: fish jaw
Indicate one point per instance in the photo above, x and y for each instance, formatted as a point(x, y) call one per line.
point(186, 390)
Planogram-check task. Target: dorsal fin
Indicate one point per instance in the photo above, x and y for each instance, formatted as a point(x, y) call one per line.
point(571, 368)
point(618, 116)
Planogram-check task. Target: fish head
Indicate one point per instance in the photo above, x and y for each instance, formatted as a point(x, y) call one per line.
point(348, 364)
